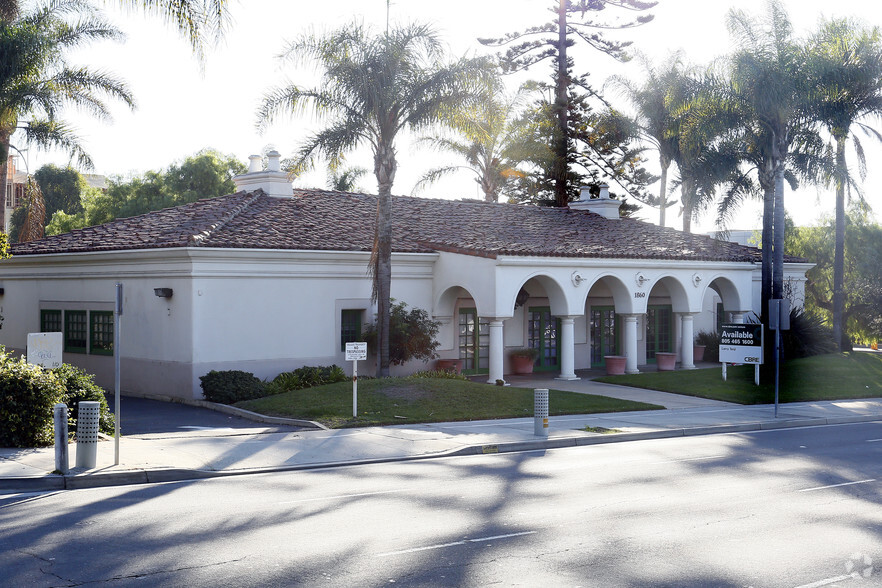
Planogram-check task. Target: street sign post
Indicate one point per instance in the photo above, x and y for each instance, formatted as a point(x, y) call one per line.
point(779, 320)
point(355, 351)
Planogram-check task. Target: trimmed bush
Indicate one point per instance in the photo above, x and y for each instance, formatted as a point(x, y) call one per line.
point(230, 386)
point(27, 395)
point(80, 385)
point(306, 377)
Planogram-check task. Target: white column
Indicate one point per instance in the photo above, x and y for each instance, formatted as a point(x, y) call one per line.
point(496, 351)
point(567, 349)
point(678, 339)
point(738, 317)
point(631, 344)
point(687, 342)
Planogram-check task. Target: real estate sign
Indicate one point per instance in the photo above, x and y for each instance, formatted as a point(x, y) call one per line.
point(741, 343)
point(44, 349)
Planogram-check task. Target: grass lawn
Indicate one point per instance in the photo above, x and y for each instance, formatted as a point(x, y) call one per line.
point(425, 400)
point(823, 377)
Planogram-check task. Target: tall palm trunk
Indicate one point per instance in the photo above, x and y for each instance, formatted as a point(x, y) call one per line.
point(560, 105)
point(384, 168)
point(778, 235)
point(687, 197)
point(663, 190)
point(4, 175)
point(839, 248)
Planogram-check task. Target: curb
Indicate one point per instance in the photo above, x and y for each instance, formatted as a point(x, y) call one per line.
point(133, 477)
point(231, 410)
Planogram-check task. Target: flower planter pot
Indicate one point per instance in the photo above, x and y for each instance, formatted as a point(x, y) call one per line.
point(615, 365)
point(521, 364)
point(666, 362)
point(698, 353)
point(448, 365)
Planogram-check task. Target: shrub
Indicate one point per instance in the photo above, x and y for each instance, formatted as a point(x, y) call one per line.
point(711, 342)
point(306, 377)
point(230, 386)
point(808, 335)
point(79, 386)
point(411, 335)
point(525, 352)
point(27, 395)
point(442, 374)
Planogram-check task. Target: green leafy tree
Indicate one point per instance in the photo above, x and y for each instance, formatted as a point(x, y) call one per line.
point(373, 86)
point(36, 81)
point(552, 40)
point(862, 320)
point(207, 174)
point(845, 65)
point(61, 188)
point(411, 336)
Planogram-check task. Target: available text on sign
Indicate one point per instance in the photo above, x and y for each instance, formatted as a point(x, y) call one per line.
point(741, 343)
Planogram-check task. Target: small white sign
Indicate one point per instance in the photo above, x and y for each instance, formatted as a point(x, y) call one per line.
point(45, 349)
point(356, 351)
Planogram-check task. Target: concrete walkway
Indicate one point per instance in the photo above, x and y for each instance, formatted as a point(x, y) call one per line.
point(226, 451)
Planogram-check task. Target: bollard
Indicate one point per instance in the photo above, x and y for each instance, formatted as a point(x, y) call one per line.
point(62, 463)
point(540, 412)
point(87, 433)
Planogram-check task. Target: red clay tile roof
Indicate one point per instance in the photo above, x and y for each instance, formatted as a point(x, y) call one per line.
point(324, 220)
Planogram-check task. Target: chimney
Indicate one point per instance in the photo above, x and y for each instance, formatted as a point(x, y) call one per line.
point(273, 181)
point(602, 204)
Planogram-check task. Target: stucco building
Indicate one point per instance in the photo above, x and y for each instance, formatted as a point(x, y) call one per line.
point(271, 278)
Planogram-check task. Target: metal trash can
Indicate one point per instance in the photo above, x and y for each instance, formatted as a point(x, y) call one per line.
point(62, 461)
point(88, 413)
point(540, 412)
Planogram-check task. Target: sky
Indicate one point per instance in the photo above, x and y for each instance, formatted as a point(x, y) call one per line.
point(184, 107)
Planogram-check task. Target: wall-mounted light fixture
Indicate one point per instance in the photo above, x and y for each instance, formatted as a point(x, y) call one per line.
point(163, 292)
point(1, 291)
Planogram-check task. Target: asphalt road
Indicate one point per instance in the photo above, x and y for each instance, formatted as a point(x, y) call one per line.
point(797, 508)
point(141, 416)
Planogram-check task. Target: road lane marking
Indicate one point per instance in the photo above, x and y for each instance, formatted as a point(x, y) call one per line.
point(827, 582)
point(455, 543)
point(837, 485)
point(341, 496)
point(686, 459)
point(873, 440)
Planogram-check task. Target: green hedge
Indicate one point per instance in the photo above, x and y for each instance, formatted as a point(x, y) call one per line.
point(80, 386)
point(28, 394)
point(230, 386)
point(306, 377)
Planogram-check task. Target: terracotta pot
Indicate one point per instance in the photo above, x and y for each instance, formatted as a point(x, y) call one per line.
point(666, 362)
point(447, 365)
point(615, 365)
point(521, 364)
point(698, 353)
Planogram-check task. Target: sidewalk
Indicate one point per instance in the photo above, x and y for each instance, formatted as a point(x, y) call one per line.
point(220, 452)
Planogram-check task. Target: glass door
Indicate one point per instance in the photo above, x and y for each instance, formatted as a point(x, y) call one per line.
point(542, 334)
point(604, 334)
point(474, 342)
point(659, 330)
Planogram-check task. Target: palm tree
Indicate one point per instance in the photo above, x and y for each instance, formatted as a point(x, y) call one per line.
point(657, 100)
point(372, 87)
point(36, 81)
point(845, 64)
point(195, 19)
point(769, 92)
point(490, 134)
